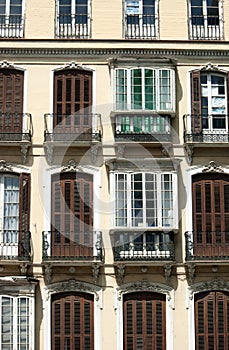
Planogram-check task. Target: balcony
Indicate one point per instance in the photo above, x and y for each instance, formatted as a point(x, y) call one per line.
point(142, 128)
point(12, 26)
point(143, 27)
point(15, 245)
point(73, 26)
point(57, 247)
point(143, 246)
point(209, 246)
point(76, 130)
point(205, 28)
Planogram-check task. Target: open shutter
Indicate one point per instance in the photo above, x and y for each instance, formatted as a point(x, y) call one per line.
point(227, 95)
point(196, 101)
point(24, 202)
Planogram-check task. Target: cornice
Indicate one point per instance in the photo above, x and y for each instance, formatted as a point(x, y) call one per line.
point(114, 52)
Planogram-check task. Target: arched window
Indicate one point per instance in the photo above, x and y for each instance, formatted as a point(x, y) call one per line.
point(211, 320)
point(144, 325)
point(72, 321)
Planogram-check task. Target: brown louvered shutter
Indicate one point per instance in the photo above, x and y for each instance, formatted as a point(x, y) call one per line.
point(211, 320)
point(73, 321)
point(144, 321)
point(24, 202)
point(227, 82)
point(72, 97)
point(196, 101)
point(211, 214)
point(72, 215)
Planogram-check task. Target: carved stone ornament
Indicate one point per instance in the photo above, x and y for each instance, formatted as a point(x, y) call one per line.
point(5, 64)
point(188, 153)
point(24, 268)
point(95, 272)
point(48, 273)
point(5, 167)
point(147, 286)
point(94, 152)
point(49, 152)
point(212, 168)
point(208, 286)
point(72, 166)
point(24, 152)
point(121, 272)
point(168, 271)
point(191, 272)
point(72, 286)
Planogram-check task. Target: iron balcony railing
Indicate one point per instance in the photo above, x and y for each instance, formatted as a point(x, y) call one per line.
point(206, 128)
point(62, 248)
point(211, 245)
point(141, 27)
point(15, 127)
point(76, 127)
point(206, 28)
point(73, 26)
point(15, 245)
point(12, 26)
point(142, 128)
point(142, 246)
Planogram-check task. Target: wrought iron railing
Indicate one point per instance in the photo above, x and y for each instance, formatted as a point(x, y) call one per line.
point(12, 26)
point(211, 245)
point(15, 127)
point(142, 128)
point(160, 247)
point(15, 245)
point(66, 249)
point(76, 127)
point(140, 27)
point(206, 128)
point(73, 26)
point(206, 28)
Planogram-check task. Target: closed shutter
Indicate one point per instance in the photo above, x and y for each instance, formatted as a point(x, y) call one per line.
point(211, 213)
point(24, 202)
point(11, 100)
point(72, 98)
point(212, 321)
point(73, 321)
point(144, 321)
point(72, 215)
point(227, 92)
point(196, 102)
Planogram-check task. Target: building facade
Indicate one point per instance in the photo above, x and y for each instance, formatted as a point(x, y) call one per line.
point(114, 175)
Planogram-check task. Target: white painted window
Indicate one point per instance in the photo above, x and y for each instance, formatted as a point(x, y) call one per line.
point(145, 89)
point(15, 322)
point(206, 19)
point(11, 18)
point(141, 18)
point(144, 200)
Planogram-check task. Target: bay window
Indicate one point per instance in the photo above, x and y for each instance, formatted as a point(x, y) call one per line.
point(145, 89)
point(144, 200)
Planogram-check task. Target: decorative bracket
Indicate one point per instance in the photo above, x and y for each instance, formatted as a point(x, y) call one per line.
point(95, 272)
point(166, 148)
point(189, 153)
point(24, 268)
point(49, 151)
point(191, 272)
point(48, 273)
point(121, 272)
point(4, 167)
point(24, 152)
point(121, 150)
point(168, 271)
point(94, 152)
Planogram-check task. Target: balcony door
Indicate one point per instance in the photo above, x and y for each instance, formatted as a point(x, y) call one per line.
point(144, 321)
point(72, 101)
point(11, 101)
point(73, 321)
point(211, 214)
point(72, 215)
point(211, 320)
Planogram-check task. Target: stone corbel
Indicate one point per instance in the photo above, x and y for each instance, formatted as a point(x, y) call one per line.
point(95, 272)
point(166, 149)
point(121, 272)
point(24, 152)
point(49, 152)
point(48, 273)
point(24, 268)
point(168, 271)
point(191, 272)
point(94, 152)
point(189, 153)
point(121, 150)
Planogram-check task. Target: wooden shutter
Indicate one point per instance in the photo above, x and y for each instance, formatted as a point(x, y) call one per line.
point(211, 320)
point(211, 213)
point(227, 95)
point(24, 202)
point(144, 321)
point(72, 95)
point(196, 101)
point(73, 321)
point(72, 214)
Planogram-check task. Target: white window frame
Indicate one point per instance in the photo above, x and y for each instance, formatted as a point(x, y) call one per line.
point(158, 199)
point(147, 287)
point(72, 286)
point(157, 86)
point(202, 31)
point(141, 30)
point(72, 27)
point(8, 31)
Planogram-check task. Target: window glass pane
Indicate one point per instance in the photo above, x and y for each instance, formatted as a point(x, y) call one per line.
point(121, 199)
point(11, 209)
point(136, 89)
point(150, 89)
point(167, 200)
point(7, 323)
point(81, 11)
point(23, 323)
point(213, 12)
point(151, 200)
point(137, 200)
point(148, 12)
point(165, 89)
point(65, 11)
point(2, 7)
point(197, 12)
point(121, 89)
